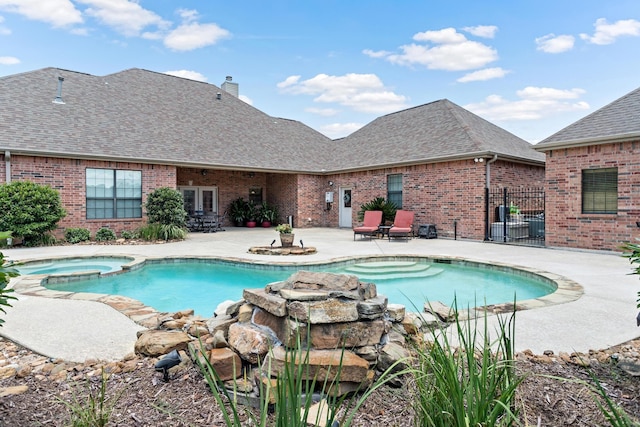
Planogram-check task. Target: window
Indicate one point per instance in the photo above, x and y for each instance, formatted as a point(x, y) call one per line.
point(394, 189)
point(600, 190)
point(113, 193)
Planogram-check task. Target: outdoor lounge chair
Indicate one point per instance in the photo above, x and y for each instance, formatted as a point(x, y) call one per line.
point(372, 220)
point(402, 225)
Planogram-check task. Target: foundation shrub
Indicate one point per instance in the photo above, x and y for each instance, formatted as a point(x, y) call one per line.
point(105, 234)
point(76, 235)
point(30, 211)
point(128, 235)
point(165, 206)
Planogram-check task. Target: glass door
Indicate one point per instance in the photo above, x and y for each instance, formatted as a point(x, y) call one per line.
point(203, 199)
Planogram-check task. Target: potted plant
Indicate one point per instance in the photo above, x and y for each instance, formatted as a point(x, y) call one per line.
point(286, 235)
point(238, 211)
point(267, 214)
point(251, 214)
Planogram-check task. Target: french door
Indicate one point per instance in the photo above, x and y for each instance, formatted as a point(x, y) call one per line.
point(203, 199)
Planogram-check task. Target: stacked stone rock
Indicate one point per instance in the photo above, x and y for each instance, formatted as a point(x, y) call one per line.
point(334, 322)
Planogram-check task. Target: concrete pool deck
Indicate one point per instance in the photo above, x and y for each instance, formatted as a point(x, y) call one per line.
point(79, 329)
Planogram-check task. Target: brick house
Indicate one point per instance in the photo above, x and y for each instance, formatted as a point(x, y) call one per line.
point(593, 178)
point(105, 142)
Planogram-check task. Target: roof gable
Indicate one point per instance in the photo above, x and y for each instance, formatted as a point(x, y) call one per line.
point(619, 119)
point(431, 132)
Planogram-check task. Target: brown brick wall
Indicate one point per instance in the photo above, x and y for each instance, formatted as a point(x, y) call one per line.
point(439, 193)
point(443, 194)
point(566, 226)
point(68, 177)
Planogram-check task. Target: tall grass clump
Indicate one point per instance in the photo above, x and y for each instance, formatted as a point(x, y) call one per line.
point(96, 410)
point(469, 383)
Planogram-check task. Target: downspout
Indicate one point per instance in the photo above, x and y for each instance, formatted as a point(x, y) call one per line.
point(7, 166)
point(486, 196)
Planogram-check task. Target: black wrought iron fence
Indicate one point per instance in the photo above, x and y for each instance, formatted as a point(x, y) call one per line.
point(515, 215)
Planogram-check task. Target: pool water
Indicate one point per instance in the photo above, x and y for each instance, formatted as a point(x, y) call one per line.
point(73, 265)
point(202, 286)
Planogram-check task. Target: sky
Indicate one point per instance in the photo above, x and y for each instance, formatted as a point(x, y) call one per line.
point(530, 67)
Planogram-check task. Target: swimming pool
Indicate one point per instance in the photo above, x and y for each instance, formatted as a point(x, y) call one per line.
point(173, 285)
point(73, 265)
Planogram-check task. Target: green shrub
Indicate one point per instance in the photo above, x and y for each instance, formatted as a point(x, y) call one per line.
point(149, 232)
point(77, 235)
point(29, 210)
point(379, 204)
point(126, 234)
point(6, 273)
point(105, 234)
point(166, 206)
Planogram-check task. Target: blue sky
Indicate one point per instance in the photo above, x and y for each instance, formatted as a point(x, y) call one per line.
point(531, 67)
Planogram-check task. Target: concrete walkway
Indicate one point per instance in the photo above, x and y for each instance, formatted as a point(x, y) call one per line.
point(603, 316)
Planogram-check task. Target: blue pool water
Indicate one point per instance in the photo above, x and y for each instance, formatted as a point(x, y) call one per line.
point(73, 265)
point(202, 286)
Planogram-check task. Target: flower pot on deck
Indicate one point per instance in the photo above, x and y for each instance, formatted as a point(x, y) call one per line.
point(286, 240)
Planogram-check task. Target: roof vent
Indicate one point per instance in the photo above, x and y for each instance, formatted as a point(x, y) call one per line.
point(58, 98)
point(218, 95)
point(230, 87)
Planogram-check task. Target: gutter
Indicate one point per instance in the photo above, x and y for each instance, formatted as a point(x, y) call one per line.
point(570, 143)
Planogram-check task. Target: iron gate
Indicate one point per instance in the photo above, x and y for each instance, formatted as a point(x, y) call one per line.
point(515, 215)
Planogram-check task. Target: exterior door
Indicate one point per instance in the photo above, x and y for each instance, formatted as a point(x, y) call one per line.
point(345, 208)
point(200, 199)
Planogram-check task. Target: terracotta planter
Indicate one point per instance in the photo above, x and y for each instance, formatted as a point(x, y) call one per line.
point(286, 240)
point(266, 224)
point(251, 224)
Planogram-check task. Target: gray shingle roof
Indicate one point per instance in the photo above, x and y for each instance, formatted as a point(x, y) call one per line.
point(619, 119)
point(145, 116)
point(148, 116)
point(437, 131)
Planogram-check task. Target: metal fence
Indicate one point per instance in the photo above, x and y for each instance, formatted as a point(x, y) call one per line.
point(515, 216)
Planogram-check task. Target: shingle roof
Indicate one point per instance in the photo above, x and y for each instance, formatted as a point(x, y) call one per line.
point(140, 115)
point(619, 119)
point(437, 131)
point(148, 116)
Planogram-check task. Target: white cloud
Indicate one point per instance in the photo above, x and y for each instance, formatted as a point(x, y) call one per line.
point(449, 50)
point(190, 36)
point(486, 31)
point(376, 54)
point(360, 92)
point(245, 99)
point(608, 33)
point(555, 44)
point(59, 13)
point(534, 103)
point(485, 74)
point(9, 60)
point(4, 31)
point(126, 17)
point(289, 81)
point(325, 112)
point(339, 130)
point(188, 74)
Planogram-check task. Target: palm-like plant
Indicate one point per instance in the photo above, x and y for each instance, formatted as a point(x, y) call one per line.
point(379, 204)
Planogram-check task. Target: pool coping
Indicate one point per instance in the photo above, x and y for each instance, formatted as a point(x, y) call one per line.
point(566, 291)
